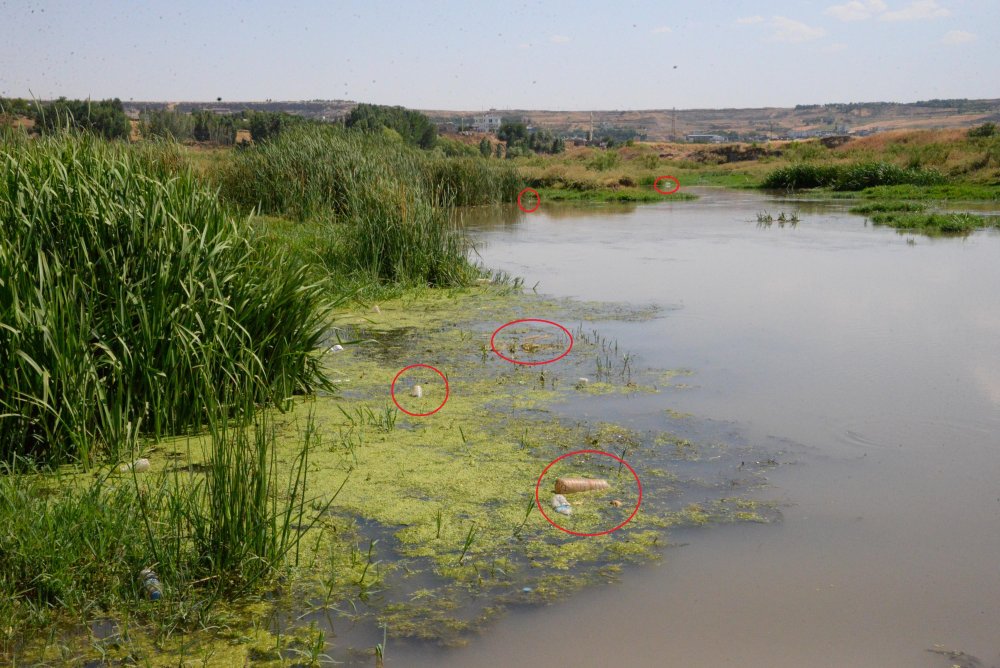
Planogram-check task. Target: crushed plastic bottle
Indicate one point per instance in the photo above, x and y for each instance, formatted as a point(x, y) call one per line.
point(139, 466)
point(151, 584)
point(417, 391)
point(561, 505)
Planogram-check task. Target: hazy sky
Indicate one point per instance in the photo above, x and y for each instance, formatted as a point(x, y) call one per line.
point(473, 55)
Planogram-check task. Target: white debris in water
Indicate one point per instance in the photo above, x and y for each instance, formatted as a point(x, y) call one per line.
point(337, 348)
point(417, 391)
point(376, 309)
point(138, 465)
point(561, 505)
point(583, 381)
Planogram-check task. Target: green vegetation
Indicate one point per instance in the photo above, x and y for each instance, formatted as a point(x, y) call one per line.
point(933, 223)
point(522, 141)
point(105, 118)
point(204, 126)
point(856, 176)
point(956, 191)
point(984, 130)
point(884, 207)
point(73, 547)
point(129, 297)
point(382, 200)
point(415, 128)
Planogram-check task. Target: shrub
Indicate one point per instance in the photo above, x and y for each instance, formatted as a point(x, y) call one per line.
point(984, 130)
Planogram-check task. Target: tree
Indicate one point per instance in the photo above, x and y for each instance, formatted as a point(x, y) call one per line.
point(484, 147)
point(201, 120)
point(499, 152)
point(415, 128)
point(105, 118)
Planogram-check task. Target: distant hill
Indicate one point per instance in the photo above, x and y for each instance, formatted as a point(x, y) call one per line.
point(774, 122)
point(666, 124)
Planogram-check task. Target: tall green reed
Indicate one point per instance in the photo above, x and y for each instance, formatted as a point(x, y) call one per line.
point(73, 547)
point(385, 201)
point(128, 297)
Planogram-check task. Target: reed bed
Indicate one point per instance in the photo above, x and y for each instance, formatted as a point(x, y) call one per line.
point(855, 176)
point(129, 298)
point(383, 201)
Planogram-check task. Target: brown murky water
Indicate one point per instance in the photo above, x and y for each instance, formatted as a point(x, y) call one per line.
point(876, 361)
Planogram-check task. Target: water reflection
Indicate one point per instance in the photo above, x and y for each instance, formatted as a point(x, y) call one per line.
point(508, 215)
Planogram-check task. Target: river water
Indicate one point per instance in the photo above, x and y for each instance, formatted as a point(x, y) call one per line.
point(874, 356)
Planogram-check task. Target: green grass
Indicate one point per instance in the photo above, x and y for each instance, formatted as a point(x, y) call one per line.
point(72, 547)
point(852, 177)
point(933, 223)
point(883, 207)
point(129, 298)
point(951, 191)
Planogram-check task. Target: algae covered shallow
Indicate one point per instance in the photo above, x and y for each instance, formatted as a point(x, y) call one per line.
point(435, 530)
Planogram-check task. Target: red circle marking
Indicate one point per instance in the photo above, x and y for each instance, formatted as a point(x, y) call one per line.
point(537, 203)
point(666, 192)
point(392, 389)
point(594, 452)
point(514, 322)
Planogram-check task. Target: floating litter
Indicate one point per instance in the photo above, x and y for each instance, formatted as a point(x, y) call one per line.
point(561, 505)
point(151, 584)
point(526, 590)
point(337, 348)
point(376, 309)
point(571, 485)
point(417, 391)
point(616, 503)
point(138, 466)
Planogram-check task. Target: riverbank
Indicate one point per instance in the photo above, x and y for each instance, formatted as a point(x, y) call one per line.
point(922, 164)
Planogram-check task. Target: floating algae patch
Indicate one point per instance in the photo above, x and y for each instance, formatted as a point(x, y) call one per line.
point(457, 487)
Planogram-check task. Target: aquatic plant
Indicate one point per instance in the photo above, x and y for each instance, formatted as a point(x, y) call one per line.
point(129, 299)
point(933, 223)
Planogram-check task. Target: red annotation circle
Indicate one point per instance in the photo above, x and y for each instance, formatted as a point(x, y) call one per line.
point(392, 389)
point(538, 201)
point(668, 178)
point(514, 322)
point(593, 452)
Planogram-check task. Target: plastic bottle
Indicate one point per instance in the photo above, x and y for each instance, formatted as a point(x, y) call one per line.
point(151, 584)
point(571, 485)
point(561, 505)
point(139, 465)
point(417, 391)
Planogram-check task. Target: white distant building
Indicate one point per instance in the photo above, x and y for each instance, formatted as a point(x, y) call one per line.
point(706, 139)
point(488, 122)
